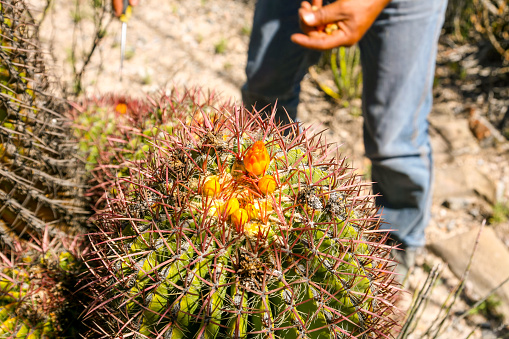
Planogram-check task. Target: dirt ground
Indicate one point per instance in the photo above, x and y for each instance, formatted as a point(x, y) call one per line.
point(204, 43)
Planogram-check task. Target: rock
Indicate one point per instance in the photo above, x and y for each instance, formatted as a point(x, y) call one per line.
point(450, 182)
point(490, 264)
point(455, 181)
point(483, 130)
point(441, 149)
point(458, 203)
point(456, 134)
point(481, 184)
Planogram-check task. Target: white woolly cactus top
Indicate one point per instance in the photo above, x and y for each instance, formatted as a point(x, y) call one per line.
point(231, 229)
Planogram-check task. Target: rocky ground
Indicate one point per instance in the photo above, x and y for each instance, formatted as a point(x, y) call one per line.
point(204, 43)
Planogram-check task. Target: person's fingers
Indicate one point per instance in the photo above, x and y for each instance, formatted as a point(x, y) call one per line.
point(321, 41)
point(305, 5)
point(317, 3)
point(119, 4)
point(315, 18)
point(305, 28)
point(322, 15)
point(117, 7)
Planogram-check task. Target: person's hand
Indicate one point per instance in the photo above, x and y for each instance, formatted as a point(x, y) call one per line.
point(118, 4)
point(341, 23)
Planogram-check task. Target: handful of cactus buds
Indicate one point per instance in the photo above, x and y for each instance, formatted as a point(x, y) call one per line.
point(36, 280)
point(233, 230)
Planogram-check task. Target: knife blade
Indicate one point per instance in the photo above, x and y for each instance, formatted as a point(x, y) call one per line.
point(123, 35)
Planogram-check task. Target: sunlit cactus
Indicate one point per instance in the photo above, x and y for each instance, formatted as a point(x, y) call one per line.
point(41, 181)
point(232, 230)
point(37, 281)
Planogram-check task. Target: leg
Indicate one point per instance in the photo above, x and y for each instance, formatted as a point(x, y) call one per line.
point(276, 65)
point(398, 56)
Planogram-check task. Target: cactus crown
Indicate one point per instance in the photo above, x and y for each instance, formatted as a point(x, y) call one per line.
point(231, 229)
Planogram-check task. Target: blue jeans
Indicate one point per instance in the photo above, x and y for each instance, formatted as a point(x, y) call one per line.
point(398, 55)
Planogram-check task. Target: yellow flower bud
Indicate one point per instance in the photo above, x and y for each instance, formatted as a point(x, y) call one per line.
point(240, 217)
point(257, 159)
point(211, 187)
point(251, 211)
point(230, 206)
point(259, 210)
point(267, 184)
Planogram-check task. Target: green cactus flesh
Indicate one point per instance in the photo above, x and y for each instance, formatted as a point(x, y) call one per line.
point(177, 263)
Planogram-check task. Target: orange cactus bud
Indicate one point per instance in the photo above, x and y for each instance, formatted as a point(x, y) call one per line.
point(121, 108)
point(240, 217)
point(267, 184)
point(257, 159)
point(211, 187)
point(231, 206)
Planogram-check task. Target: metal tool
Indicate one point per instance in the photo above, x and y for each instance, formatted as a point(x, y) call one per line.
point(126, 13)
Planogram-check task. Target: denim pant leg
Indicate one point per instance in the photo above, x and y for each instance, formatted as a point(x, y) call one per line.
point(398, 57)
point(275, 65)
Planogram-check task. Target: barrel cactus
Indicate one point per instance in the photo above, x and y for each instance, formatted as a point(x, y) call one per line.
point(232, 229)
point(37, 281)
point(41, 181)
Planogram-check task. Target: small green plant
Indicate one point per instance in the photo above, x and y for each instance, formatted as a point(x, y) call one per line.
point(76, 16)
point(345, 65)
point(227, 66)
point(129, 53)
point(500, 213)
point(147, 78)
point(245, 30)
point(221, 46)
point(487, 308)
point(344, 62)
